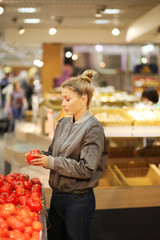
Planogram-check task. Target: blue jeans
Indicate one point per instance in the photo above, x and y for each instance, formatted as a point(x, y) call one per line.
point(70, 216)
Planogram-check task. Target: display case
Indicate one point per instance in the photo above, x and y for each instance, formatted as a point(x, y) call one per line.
point(140, 82)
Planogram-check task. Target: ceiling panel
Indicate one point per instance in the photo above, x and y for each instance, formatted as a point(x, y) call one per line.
point(68, 14)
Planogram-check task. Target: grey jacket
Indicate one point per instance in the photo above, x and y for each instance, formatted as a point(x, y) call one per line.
point(77, 154)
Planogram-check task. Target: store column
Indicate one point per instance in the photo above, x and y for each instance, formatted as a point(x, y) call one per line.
point(52, 58)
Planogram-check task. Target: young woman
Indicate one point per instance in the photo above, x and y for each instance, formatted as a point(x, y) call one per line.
point(76, 159)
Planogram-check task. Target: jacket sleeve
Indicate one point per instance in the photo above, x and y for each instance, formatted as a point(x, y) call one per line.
point(93, 150)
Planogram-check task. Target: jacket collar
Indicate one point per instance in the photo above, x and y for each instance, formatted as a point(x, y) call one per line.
point(84, 117)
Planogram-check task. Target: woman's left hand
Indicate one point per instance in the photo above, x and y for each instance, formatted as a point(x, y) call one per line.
point(39, 160)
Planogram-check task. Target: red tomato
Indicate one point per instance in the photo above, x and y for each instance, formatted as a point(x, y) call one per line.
point(1, 182)
point(30, 156)
point(33, 205)
point(36, 193)
point(37, 187)
point(20, 191)
point(15, 223)
point(37, 226)
point(7, 209)
point(6, 188)
point(27, 236)
point(34, 216)
point(37, 198)
point(28, 229)
point(27, 193)
point(23, 177)
point(3, 233)
point(2, 177)
point(23, 212)
point(3, 228)
point(27, 185)
point(35, 180)
point(3, 197)
point(22, 200)
point(10, 179)
point(35, 235)
point(16, 174)
point(12, 199)
point(27, 221)
point(18, 184)
point(16, 234)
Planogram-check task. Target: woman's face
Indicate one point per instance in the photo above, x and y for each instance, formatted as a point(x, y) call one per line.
point(72, 103)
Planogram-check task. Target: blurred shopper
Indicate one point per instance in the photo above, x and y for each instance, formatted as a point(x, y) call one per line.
point(15, 102)
point(76, 159)
point(29, 91)
point(150, 97)
point(67, 73)
point(3, 83)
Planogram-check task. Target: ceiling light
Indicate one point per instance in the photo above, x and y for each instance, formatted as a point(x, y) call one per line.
point(148, 48)
point(27, 10)
point(21, 30)
point(74, 57)
point(99, 48)
point(52, 31)
point(100, 21)
point(144, 60)
point(98, 13)
point(68, 54)
point(115, 31)
point(38, 63)
point(1, 9)
point(32, 20)
point(111, 11)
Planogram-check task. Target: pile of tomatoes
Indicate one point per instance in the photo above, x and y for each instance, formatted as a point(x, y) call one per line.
point(20, 203)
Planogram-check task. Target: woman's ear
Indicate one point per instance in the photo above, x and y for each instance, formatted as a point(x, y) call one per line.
point(84, 99)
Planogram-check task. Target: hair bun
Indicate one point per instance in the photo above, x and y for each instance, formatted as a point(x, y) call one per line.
point(88, 75)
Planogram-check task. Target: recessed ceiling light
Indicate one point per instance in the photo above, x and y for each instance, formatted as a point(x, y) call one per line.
point(68, 54)
point(111, 11)
point(52, 31)
point(115, 31)
point(98, 48)
point(98, 13)
point(144, 60)
point(100, 21)
point(38, 63)
point(1, 10)
point(32, 20)
point(27, 10)
point(74, 57)
point(21, 30)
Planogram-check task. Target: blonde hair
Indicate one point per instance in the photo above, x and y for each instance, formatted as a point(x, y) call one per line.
point(82, 84)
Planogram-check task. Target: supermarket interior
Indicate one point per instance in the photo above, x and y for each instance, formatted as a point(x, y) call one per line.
point(45, 42)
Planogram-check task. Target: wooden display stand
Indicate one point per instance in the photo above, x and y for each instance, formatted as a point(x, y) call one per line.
point(137, 185)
